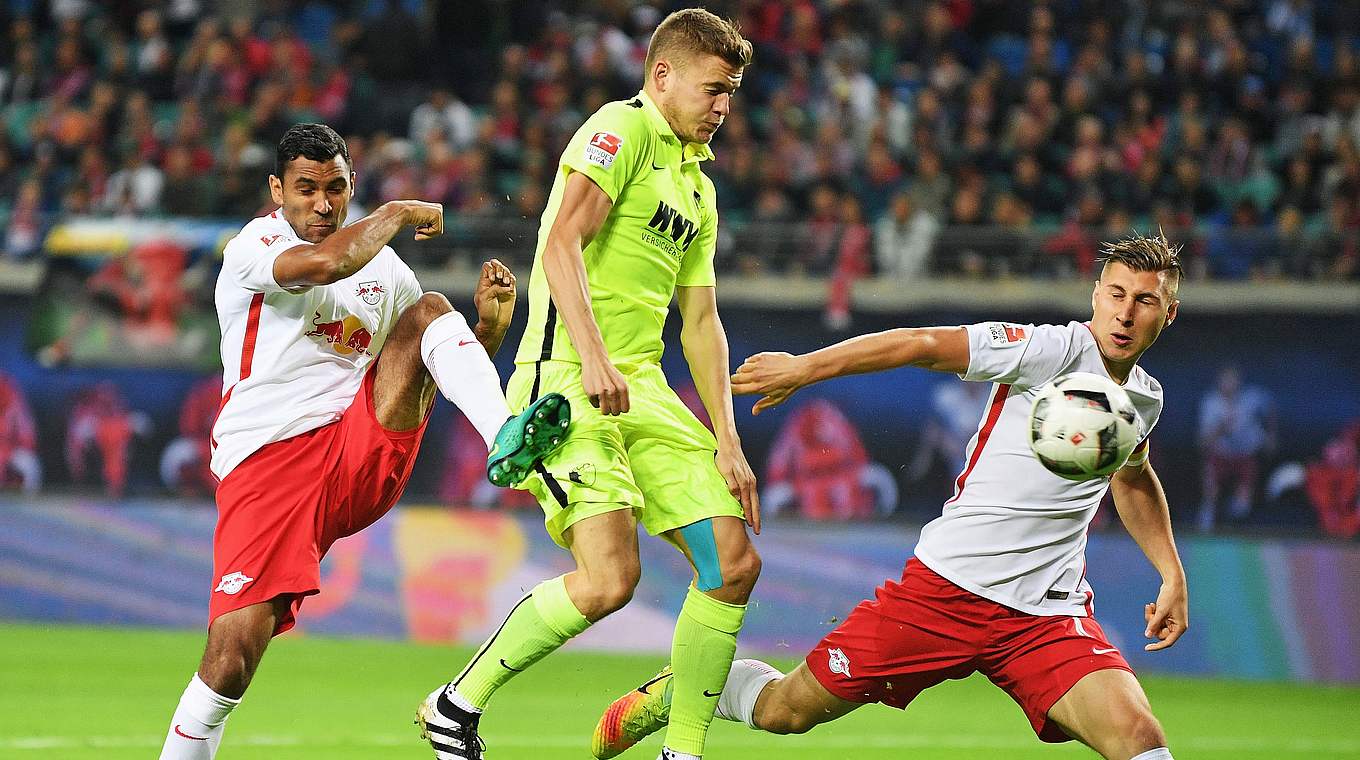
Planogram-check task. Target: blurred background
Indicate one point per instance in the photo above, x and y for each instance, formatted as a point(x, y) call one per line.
point(885, 164)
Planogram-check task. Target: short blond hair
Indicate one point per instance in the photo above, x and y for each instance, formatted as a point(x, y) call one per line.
point(696, 31)
point(1146, 254)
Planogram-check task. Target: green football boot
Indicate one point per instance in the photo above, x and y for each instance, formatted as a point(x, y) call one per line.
point(525, 439)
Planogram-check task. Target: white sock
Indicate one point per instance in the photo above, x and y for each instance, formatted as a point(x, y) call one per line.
point(745, 681)
point(1161, 753)
point(465, 374)
point(199, 721)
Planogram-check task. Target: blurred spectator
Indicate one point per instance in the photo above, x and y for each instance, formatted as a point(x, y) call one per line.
point(184, 463)
point(27, 222)
point(136, 188)
point(102, 427)
point(1236, 431)
point(903, 239)
point(1333, 484)
point(446, 116)
point(819, 466)
point(19, 463)
point(854, 261)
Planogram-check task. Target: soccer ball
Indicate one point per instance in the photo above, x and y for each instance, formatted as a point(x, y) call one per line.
point(1083, 426)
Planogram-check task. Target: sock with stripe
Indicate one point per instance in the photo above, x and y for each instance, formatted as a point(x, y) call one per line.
point(541, 622)
point(1161, 753)
point(199, 721)
point(701, 658)
point(745, 681)
point(464, 373)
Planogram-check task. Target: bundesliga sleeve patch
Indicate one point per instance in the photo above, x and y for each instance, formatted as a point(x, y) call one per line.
point(1002, 334)
point(603, 148)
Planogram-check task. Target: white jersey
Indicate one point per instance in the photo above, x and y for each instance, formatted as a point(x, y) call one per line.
point(293, 360)
point(1014, 532)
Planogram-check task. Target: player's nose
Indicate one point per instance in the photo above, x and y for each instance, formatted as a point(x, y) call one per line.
point(723, 104)
point(322, 206)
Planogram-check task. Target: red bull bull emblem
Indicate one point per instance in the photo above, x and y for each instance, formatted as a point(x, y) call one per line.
point(344, 336)
point(370, 292)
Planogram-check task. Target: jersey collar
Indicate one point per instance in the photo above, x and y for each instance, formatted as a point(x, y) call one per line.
point(690, 151)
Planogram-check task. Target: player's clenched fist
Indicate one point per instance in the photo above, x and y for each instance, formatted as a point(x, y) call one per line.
point(604, 385)
point(775, 375)
point(427, 218)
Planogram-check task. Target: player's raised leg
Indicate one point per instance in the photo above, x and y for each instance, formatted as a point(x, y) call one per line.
point(236, 643)
point(607, 570)
point(431, 346)
point(1108, 712)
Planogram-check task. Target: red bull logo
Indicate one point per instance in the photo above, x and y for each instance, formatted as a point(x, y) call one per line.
point(370, 292)
point(345, 336)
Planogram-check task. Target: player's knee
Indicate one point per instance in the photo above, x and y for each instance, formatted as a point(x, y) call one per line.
point(741, 571)
point(610, 591)
point(1142, 732)
point(429, 307)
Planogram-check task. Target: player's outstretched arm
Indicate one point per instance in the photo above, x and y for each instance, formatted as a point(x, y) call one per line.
point(1141, 502)
point(705, 343)
point(348, 249)
point(777, 375)
point(580, 216)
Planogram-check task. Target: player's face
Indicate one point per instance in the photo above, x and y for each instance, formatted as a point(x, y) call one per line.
point(695, 95)
point(314, 195)
point(1128, 311)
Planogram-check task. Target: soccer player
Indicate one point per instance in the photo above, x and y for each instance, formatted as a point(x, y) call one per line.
point(331, 358)
point(998, 583)
point(631, 222)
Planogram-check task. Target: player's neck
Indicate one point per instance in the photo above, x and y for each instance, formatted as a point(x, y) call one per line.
point(1119, 371)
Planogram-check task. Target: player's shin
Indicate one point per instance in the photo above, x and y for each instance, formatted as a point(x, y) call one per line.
point(541, 622)
point(701, 656)
point(199, 721)
point(464, 373)
point(745, 681)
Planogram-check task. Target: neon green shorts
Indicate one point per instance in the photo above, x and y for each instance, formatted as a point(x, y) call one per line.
point(657, 459)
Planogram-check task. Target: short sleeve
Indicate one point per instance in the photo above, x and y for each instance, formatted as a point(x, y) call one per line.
point(1020, 355)
point(408, 289)
point(249, 258)
point(609, 148)
point(697, 268)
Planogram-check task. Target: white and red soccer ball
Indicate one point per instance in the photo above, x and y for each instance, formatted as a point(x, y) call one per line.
point(1083, 426)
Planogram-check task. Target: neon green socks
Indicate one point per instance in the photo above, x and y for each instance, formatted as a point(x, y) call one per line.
point(541, 622)
point(701, 656)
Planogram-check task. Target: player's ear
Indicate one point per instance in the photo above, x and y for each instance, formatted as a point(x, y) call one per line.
point(276, 190)
point(353, 183)
point(1171, 314)
point(661, 74)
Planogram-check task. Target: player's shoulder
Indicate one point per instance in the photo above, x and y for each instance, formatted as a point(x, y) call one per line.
point(264, 230)
point(623, 118)
point(1143, 381)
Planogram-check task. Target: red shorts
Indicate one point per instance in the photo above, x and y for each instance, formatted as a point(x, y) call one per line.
point(279, 511)
point(924, 630)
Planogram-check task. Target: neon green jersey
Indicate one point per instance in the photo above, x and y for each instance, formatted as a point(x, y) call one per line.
point(661, 232)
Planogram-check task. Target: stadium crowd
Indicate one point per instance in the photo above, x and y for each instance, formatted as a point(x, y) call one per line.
point(962, 136)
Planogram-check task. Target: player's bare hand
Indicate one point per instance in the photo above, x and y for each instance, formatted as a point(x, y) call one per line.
point(741, 481)
point(427, 218)
point(1168, 617)
point(774, 375)
point(495, 296)
point(604, 385)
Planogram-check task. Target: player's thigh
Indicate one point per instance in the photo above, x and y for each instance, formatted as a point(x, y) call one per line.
point(404, 390)
point(1108, 711)
point(673, 458)
point(798, 702)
